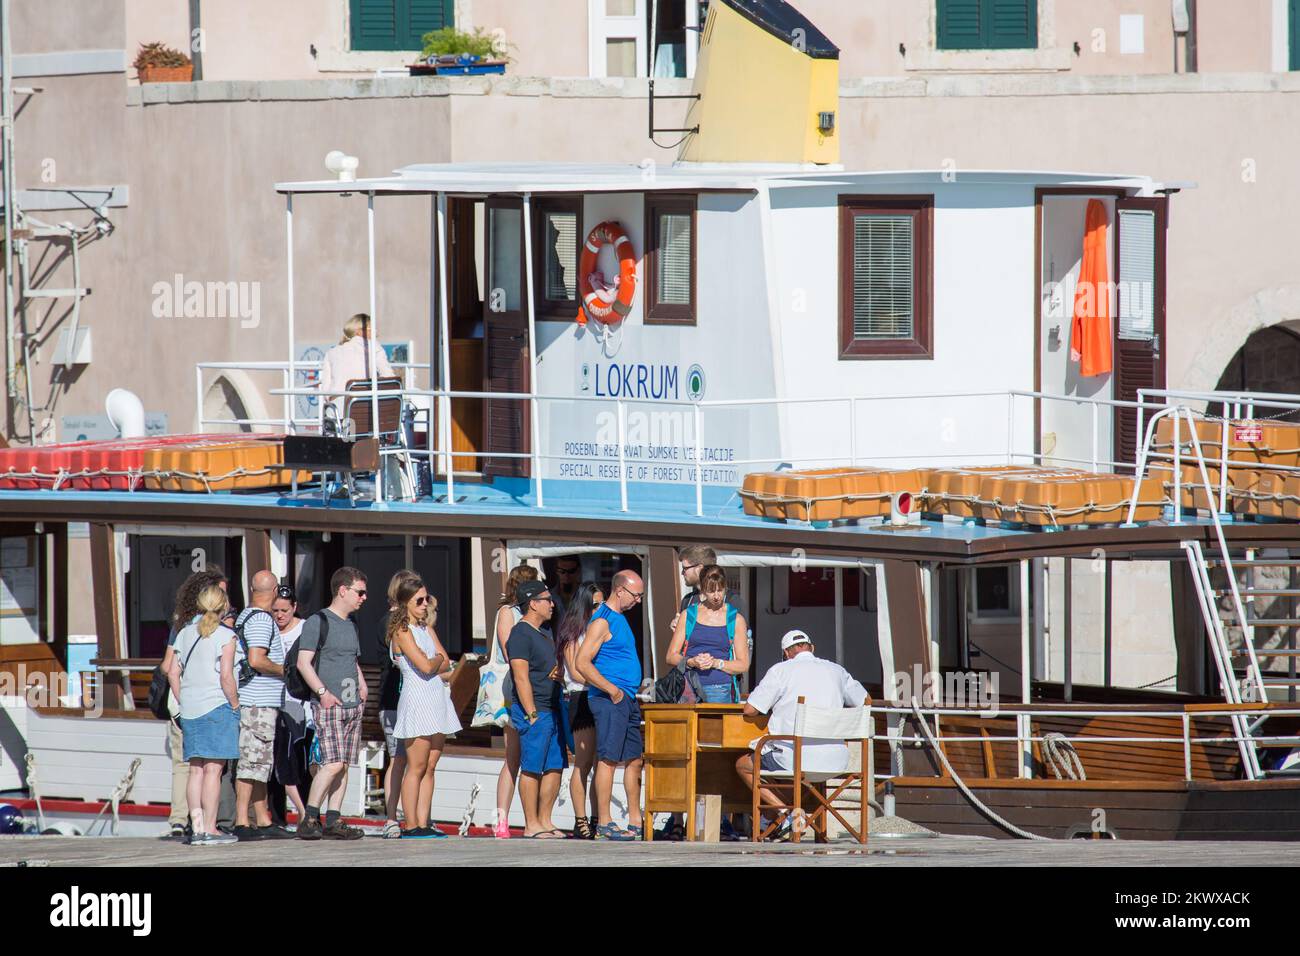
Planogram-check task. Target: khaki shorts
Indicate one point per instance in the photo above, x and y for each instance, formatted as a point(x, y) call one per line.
point(256, 742)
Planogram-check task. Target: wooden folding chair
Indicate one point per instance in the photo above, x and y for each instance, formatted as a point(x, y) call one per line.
point(817, 725)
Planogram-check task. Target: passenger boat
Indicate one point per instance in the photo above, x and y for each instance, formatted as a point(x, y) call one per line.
point(851, 384)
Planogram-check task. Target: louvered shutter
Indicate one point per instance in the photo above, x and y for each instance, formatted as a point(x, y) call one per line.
point(958, 25)
point(883, 277)
point(1137, 265)
point(560, 236)
point(397, 24)
point(986, 24)
point(673, 278)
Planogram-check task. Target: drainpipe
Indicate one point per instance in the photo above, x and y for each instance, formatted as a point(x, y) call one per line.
point(1190, 54)
point(196, 51)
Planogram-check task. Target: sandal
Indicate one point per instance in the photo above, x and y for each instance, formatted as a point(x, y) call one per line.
point(582, 829)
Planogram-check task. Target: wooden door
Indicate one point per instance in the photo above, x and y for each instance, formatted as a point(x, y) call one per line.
point(505, 338)
point(1139, 328)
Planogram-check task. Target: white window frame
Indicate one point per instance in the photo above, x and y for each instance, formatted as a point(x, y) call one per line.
point(601, 28)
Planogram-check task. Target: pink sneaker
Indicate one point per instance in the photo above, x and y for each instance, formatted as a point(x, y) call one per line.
point(502, 830)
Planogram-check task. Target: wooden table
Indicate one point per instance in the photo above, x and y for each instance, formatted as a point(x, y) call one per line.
point(692, 749)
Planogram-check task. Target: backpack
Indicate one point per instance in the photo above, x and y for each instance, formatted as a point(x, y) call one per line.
point(294, 684)
point(160, 687)
point(244, 670)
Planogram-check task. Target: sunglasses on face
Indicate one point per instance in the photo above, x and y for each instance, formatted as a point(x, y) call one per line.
point(361, 592)
point(567, 572)
point(421, 601)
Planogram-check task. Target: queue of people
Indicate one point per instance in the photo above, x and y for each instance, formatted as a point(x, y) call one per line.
point(571, 694)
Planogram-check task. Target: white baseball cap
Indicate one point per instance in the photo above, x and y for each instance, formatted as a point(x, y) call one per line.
point(792, 638)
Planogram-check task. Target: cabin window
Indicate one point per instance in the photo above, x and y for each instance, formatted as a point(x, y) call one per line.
point(986, 24)
point(396, 24)
point(22, 589)
point(556, 245)
point(885, 277)
point(670, 260)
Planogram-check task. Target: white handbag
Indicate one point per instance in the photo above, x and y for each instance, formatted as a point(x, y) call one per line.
point(490, 709)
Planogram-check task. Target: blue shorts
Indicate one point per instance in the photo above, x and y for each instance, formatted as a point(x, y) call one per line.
point(214, 736)
point(618, 727)
point(717, 693)
point(540, 747)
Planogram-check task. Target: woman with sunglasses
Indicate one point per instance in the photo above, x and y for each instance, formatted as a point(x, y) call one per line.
point(425, 714)
point(294, 729)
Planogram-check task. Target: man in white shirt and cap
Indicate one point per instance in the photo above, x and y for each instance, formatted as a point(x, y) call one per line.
point(821, 683)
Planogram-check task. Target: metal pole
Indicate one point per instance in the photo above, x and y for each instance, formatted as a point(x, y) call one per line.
point(289, 400)
point(1178, 472)
point(1095, 439)
point(1187, 746)
point(853, 432)
point(198, 399)
point(839, 616)
point(1068, 653)
point(1011, 428)
point(1106, 627)
point(7, 158)
point(532, 345)
point(699, 465)
point(444, 335)
point(622, 456)
point(372, 344)
point(1026, 666)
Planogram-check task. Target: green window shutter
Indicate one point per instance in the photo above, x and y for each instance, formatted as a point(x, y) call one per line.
point(396, 24)
point(959, 25)
point(987, 24)
point(425, 16)
point(1011, 24)
point(1293, 33)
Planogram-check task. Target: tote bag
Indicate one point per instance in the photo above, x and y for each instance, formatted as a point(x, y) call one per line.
point(490, 709)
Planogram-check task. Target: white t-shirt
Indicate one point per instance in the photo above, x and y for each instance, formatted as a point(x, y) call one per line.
point(820, 683)
point(201, 677)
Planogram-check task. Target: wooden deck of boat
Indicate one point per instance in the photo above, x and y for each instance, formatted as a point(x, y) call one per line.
point(485, 851)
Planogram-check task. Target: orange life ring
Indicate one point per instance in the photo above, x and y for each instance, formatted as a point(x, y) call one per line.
point(606, 303)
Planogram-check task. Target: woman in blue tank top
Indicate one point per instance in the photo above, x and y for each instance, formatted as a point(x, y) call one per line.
point(711, 637)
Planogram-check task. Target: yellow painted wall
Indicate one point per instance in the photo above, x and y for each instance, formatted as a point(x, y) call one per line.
point(759, 97)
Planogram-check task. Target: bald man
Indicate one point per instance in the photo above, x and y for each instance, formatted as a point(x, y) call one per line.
point(259, 706)
point(608, 662)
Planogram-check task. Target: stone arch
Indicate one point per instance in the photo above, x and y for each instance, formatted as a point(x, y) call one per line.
point(233, 395)
point(1223, 337)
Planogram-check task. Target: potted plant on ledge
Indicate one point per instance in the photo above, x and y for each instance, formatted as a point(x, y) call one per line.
point(159, 63)
point(452, 52)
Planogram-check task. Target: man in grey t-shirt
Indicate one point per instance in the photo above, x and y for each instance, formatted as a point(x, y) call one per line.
point(330, 665)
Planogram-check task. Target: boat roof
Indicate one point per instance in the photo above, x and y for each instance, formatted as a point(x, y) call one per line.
point(482, 178)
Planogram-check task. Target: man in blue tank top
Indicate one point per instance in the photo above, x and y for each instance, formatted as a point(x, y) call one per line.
point(608, 661)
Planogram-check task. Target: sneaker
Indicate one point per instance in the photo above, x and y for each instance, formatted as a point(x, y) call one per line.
point(197, 839)
point(273, 832)
point(672, 832)
point(392, 830)
point(221, 839)
point(502, 830)
point(612, 831)
point(248, 834)
point(290, 828)
point(436, 833)
point(178, 831)
point(310, 829)
point(341, 831)
point(417, 833)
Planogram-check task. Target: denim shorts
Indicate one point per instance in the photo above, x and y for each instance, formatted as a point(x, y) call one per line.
point(717, 693)
point(214, 736)
point(540, 748)
point(618, 727)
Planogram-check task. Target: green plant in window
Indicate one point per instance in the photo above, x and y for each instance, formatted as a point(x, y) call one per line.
point(452, 42)
point(159, 54)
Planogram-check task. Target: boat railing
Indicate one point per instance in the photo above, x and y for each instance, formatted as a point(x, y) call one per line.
point(1017, 445)
point(898, 716)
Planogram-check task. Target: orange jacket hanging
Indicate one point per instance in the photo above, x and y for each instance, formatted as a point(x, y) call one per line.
point(1090, 332)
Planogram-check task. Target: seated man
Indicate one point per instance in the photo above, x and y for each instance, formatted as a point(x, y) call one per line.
point(820, 683)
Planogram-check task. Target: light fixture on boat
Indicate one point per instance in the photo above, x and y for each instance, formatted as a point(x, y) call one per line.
point(342, 165)
point(902, 509)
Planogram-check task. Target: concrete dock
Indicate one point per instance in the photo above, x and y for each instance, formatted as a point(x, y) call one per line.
point(485, 851)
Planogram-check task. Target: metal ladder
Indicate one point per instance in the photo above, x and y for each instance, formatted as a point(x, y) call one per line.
point(1253, 687)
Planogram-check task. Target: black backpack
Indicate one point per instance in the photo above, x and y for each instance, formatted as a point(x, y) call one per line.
point(294, 684)
point(244, 670)
point(160, 686)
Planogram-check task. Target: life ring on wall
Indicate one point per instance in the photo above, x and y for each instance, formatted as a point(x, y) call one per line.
point(607, 303)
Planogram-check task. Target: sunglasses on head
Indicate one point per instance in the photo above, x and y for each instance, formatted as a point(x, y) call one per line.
point(286, 593)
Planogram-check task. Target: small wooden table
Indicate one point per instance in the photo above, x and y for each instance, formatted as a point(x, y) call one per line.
point(692, 749)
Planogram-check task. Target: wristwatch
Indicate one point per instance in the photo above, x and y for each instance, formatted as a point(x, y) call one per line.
point(319, 691)
point(532, 715)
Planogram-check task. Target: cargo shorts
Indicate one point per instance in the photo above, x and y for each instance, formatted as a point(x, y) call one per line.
point(256, 743)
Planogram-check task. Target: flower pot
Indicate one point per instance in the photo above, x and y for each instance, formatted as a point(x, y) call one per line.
point(166, 74)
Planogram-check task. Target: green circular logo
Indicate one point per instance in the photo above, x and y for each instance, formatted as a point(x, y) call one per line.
point(695, 383)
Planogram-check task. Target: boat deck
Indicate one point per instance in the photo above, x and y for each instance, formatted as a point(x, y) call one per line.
point(485, 851)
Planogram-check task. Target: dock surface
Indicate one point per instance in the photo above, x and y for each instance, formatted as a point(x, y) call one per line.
point(485, 851)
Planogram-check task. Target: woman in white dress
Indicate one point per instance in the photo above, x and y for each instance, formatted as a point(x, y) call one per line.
point(425, 714)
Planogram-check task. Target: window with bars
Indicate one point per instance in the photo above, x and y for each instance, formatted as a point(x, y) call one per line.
point(986, 24)
point(885, 277)
point(670, 259)
point(396, 24)
point(557, 244)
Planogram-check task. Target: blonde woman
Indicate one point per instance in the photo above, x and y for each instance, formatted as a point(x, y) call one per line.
point(425, 714)
point(508, 615)
point(350, 359)
point(202, 676)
